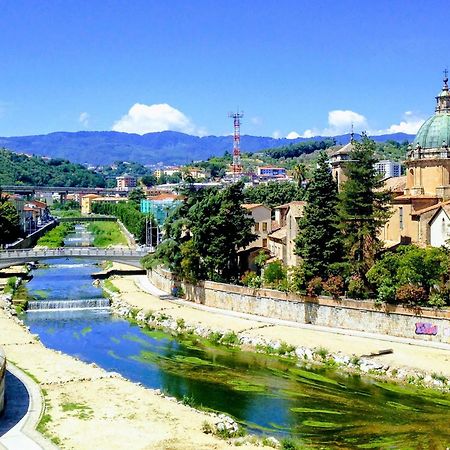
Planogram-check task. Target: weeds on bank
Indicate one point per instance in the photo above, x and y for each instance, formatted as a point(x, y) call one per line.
point(110, 286)
point(82, 412)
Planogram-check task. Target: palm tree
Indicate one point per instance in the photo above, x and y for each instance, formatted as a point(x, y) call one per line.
point(299, 173)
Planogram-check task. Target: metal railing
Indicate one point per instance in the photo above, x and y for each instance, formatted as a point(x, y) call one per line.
point(89, 252)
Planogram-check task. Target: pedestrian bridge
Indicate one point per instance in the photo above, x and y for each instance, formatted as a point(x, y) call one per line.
point(130, 256)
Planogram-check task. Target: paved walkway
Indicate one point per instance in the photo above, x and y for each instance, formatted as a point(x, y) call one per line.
point(22, 413)
point(423, 355)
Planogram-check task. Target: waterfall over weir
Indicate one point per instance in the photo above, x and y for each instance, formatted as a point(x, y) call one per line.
point(45, 305)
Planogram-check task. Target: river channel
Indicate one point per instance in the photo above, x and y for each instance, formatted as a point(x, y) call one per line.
point(267, 395)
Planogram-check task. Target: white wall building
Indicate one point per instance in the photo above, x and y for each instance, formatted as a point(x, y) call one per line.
point(388, 168)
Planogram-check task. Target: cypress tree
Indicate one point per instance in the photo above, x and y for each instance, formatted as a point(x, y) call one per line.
point(318, 241)
point(363, 207)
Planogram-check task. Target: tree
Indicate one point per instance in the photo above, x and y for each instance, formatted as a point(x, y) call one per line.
point(203, 235)
point(220, 227)
point(136, 195)
point(149, 180)
point(363, 207)
point(319, 238)
point(299, 173)
point(273, 194)
point(9, 221)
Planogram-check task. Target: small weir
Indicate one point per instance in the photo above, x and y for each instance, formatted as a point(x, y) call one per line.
point(45, 305)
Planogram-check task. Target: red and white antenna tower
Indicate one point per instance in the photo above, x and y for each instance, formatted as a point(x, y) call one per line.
point(236, 166)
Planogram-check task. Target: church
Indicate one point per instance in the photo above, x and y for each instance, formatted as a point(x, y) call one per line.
point(421, 199)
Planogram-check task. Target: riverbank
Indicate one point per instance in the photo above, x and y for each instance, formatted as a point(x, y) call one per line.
point(87, 407)
point(418, 363)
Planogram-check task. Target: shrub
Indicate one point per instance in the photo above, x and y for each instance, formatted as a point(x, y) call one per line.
point(386, 293)
point(356, 287)
point(250, 279)
point(297, 278)
point(437, 300)
point(411, 294)
point(274, 274)
point(334, 286)
point(314, 287)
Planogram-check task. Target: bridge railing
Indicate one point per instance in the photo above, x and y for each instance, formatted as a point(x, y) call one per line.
point(74, 251)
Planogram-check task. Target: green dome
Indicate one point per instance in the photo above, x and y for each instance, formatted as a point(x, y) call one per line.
point(434, 132)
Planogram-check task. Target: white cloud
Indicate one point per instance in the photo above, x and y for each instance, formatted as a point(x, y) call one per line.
point(293, 135)
point(256, 120)
point(84, 119)
point(339, 122)
point(410, 125)
point(276, 134)
point(142, 119)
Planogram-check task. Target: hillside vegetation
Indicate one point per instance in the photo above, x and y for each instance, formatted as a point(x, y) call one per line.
point(36, 171)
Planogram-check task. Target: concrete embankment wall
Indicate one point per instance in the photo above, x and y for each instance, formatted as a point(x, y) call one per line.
point(2, 379)
point(31, 239)
point(360, 315)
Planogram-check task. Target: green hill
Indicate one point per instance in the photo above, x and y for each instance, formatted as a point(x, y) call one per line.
point(32, 170)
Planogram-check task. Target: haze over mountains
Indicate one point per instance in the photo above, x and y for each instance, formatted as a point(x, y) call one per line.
point(168, 147)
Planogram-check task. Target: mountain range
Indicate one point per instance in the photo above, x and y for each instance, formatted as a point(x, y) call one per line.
point(167, 147)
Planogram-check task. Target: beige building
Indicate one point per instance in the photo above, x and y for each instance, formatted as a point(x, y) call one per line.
point(281, 241)
point(88, 200)
point(126, 182)
point(262, 215)
point(338, 161)
point(419, 213)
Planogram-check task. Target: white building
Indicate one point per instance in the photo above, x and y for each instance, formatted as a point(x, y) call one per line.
point(388, 168)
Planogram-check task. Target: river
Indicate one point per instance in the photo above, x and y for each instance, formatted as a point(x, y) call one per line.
point(268, 395)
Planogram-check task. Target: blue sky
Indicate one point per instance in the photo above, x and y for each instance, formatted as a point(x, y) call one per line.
point(293, 67)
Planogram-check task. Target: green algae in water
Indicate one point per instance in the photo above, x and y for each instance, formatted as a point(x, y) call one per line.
point(314, 376)
point(115, 340)
point(193, 360)
point(317, 424)
point(41, 294)
point(156, 334)
point(245, 386)
point(86, 330)
point(315, 411)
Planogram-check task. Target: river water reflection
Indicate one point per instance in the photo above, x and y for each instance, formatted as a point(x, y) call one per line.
point(267, 395)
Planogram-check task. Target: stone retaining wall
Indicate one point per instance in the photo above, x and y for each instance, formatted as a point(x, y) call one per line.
point(360, 315)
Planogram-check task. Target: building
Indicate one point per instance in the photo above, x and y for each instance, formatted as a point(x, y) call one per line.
point(126, 182)
point(281, 242)
point(271, 172)
point(160, 206)
point(420, 214)
point(388, 168)
point(338, 161)
point(262, 215)
point(88, 200)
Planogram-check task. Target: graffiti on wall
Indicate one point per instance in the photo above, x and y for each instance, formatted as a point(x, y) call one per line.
point(426, 328)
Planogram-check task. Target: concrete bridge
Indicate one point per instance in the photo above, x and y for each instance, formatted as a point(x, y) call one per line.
point(131, 256)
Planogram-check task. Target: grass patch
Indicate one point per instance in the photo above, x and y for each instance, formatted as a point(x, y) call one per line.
point(107, 284)
point(55, 237)
point(82, 411)
point(106, 234)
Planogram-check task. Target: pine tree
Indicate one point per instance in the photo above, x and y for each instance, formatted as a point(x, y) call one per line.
point(363, 207)
point(318, 241)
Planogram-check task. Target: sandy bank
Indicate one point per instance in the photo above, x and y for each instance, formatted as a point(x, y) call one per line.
point(93, 409)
